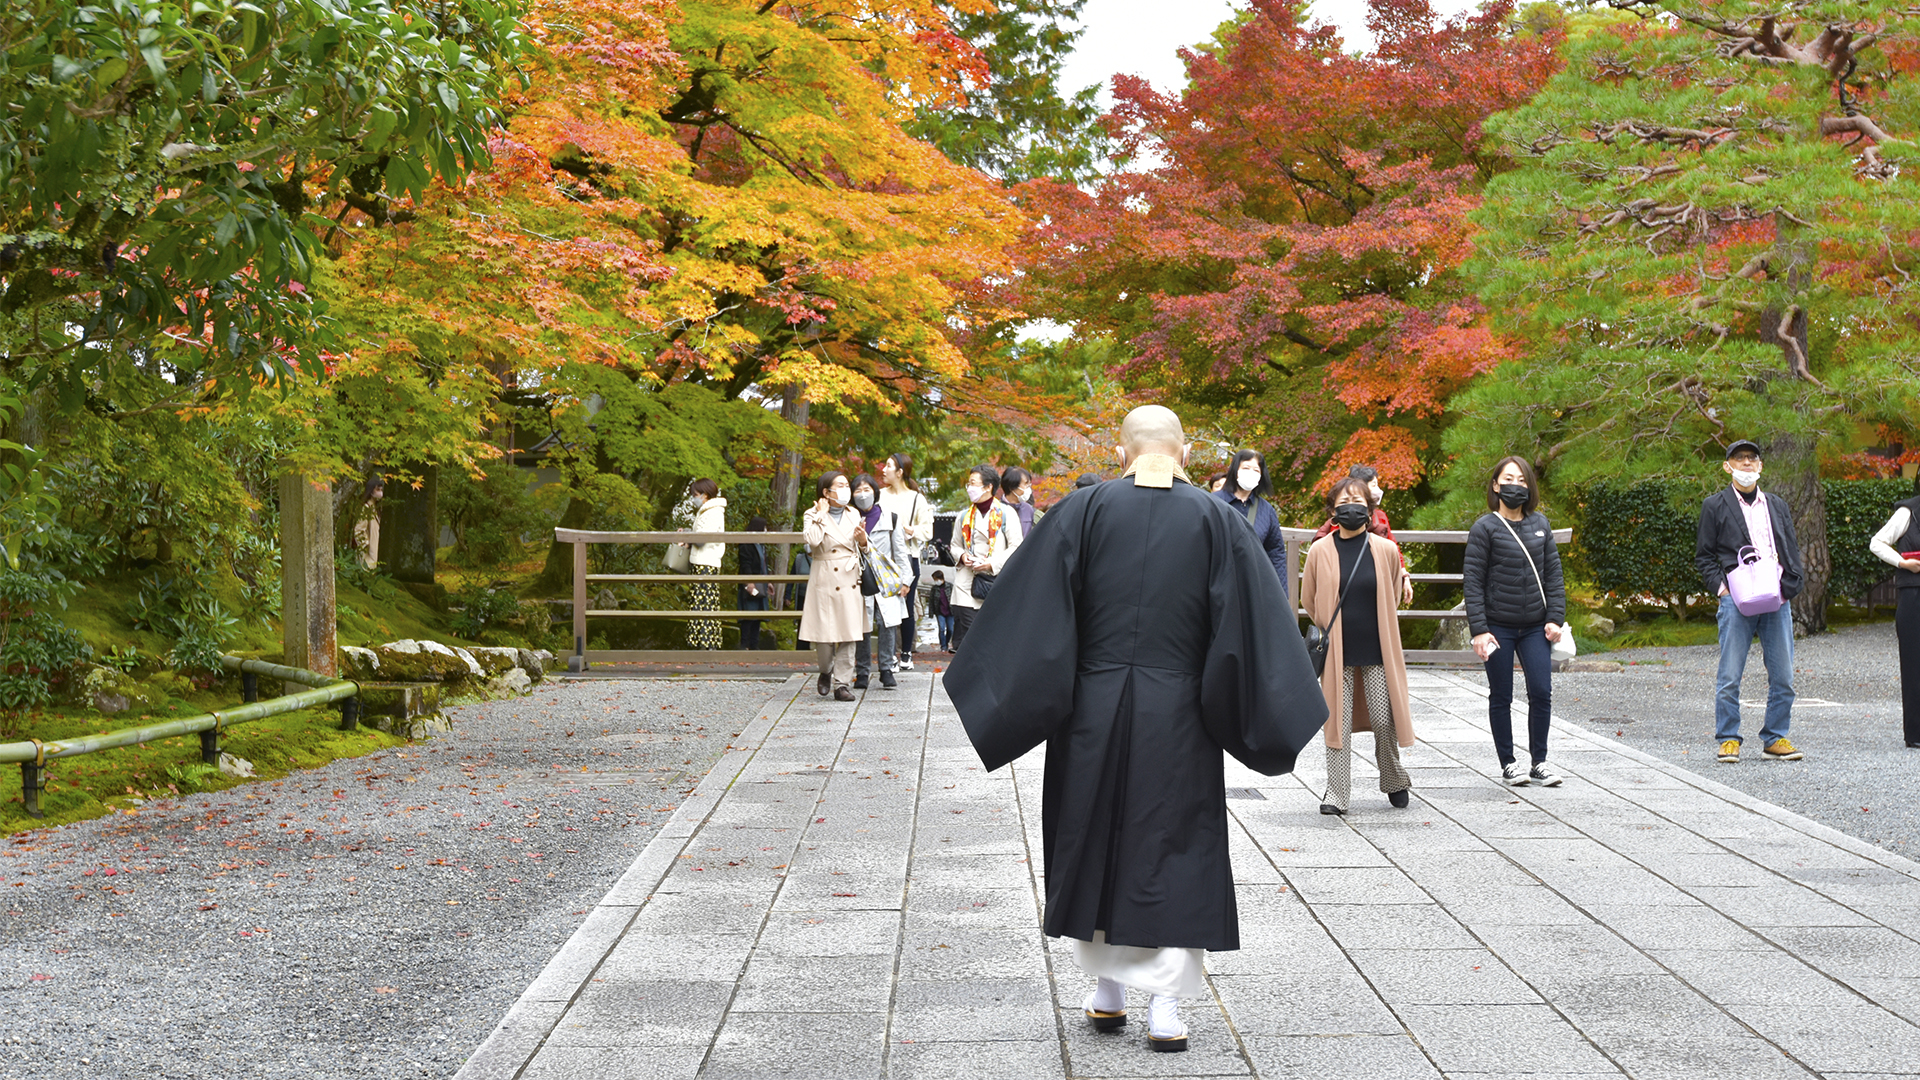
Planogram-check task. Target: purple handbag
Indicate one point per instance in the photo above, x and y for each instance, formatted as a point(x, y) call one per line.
point(1755, 584)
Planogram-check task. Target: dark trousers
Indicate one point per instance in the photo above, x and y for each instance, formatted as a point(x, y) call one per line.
point(903, 640)
point(1536, 660)
point(1906, 624)
point(962, 618)
point(750, 628)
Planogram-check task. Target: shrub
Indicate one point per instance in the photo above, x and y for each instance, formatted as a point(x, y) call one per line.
point(1855, 511)
point(480, 608)
point(1636, 540)
point(197, 624)
point(37, 650)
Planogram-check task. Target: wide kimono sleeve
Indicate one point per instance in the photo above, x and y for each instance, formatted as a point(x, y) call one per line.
point(1259, 697)
point(1012, 681)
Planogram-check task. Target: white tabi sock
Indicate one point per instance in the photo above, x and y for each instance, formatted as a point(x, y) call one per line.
point(1108, 996)
point(1163, 1018)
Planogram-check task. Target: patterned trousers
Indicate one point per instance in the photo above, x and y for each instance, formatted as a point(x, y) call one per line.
point(1386, 749)
point(704, 633)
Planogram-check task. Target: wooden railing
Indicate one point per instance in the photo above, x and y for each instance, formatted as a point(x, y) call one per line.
point(580, 538)
point(1298, 540)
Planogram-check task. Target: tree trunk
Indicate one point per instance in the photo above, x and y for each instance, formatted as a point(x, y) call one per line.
point(787, 482)
point(1793, 473)
point(556, 578)
point(410, 527)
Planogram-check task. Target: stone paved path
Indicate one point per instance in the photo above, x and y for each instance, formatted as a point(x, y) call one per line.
point(849, 895)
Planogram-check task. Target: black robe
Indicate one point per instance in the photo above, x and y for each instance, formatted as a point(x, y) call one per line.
point(1138, 633)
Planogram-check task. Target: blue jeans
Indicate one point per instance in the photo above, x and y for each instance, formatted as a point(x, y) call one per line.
point(944, 623)
point(1737, 631)
point(1535, 652)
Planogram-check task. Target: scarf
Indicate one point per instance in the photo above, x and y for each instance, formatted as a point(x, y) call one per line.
point(872, 517)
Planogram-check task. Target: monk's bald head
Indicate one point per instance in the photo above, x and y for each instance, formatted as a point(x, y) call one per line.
point(1152, 429)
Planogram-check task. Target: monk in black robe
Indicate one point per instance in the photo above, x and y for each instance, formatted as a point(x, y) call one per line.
point(1138, 632)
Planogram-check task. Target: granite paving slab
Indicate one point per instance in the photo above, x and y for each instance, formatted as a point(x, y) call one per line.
point(849, 895)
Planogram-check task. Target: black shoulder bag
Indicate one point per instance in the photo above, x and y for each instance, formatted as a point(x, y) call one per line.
point(1320, 641)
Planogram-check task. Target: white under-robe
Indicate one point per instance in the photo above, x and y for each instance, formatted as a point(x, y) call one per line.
point(1172, 972)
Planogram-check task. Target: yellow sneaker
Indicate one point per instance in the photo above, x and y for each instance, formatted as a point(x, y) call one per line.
point(1730, 750)
point(1782, 750)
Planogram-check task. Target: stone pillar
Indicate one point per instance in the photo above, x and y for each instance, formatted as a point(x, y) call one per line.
point(308, 629)
point(410, 527)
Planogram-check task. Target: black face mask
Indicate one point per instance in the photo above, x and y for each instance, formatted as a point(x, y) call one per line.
point(1351, 516)
point(1514, 495)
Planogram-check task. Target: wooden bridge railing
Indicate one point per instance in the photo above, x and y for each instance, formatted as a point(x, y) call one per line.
point(580, 538)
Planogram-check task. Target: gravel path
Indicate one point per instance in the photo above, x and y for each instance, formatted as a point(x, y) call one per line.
point(1858, 775)
point(372, 918)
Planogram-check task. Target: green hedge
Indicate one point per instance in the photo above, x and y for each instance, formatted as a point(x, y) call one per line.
point(1636, 540)
point(1855, 511)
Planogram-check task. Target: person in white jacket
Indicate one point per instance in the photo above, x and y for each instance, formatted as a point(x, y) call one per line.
point(1898, 545)
point(709, 515)
point(987, 532)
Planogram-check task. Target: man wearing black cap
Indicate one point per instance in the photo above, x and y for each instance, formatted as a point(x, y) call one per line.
point(1743, 525)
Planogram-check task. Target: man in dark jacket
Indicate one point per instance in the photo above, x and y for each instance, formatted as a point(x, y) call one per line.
point(1733, 520)
point(1245, 490)
point(1135, 633)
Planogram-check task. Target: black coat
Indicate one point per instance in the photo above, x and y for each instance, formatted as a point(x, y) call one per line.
point(1265, 522)
point(1723, 532)
point(1138, 632)
point(1499, 584)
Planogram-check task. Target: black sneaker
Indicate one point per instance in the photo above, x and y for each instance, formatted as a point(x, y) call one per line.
point(1544, 775)
point(886, 680)
point(860, 683)
point(1515, 775)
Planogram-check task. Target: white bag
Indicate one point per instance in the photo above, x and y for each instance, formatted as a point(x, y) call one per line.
point(679, 558)
point(1564, 649)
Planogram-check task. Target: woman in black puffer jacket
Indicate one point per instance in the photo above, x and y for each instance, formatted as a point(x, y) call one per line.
point(1516, 606)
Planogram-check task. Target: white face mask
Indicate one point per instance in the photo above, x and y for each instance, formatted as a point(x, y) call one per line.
point(1746, 477)
point(975, 493)
point(699, 501)
point(1375, 488)
point(838, 494)
point(1249, 479)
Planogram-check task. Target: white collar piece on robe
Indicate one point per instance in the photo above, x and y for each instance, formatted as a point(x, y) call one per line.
point(1155, 471)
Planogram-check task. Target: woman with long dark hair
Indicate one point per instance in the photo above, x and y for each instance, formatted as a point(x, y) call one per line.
point(1246, 490)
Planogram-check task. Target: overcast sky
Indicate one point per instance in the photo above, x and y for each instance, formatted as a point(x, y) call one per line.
point(1139, 37)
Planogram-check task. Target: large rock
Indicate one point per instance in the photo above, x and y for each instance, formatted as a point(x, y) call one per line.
point(408, 660)
point(1599, 626)
point(359, 664)
point(496, 660)
point(513, 682)
point(533, 663)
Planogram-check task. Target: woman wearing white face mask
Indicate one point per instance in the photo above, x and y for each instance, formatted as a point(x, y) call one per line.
point(833, 618)
point(709, 515)
point(985, 535)
point(1245, 491)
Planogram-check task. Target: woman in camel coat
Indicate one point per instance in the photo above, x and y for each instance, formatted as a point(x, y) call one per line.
point(1365, 681)
point(834, 617)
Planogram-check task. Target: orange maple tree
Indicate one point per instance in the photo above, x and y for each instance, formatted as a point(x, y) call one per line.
point(1288, 265)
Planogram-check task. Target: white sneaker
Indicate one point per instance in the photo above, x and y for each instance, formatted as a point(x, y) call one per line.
point(1515, 775)
point(1166, 1032)
point(1544, 775)
point(905, 664)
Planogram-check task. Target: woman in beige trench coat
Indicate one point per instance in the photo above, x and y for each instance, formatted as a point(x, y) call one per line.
point(1366, 672)
point(834, 618)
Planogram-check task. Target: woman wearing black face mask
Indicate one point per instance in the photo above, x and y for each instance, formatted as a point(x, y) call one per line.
point(1516, 607)
point(1365, 680)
